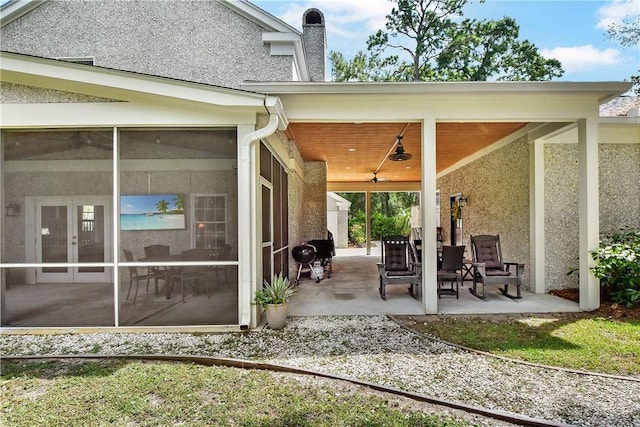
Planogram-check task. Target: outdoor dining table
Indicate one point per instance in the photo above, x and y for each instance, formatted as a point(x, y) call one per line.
point(170, 271)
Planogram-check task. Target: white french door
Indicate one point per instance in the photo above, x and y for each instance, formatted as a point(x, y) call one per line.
point(73, 230)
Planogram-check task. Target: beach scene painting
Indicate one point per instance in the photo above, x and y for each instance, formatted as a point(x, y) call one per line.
point(152, 212)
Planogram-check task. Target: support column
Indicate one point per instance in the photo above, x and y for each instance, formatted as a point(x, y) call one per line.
point(368, 221)
point(428, 212)
point(536, 206)
point(589, 211)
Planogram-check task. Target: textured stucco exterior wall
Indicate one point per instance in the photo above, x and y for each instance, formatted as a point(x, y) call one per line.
point(497, 189)
point(619, 186)
point(561, 215)
point(314, 213)
point(619, 182)
point(201, 41)
point(20, 94)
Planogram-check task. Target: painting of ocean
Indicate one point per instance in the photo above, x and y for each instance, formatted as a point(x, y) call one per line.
point(152, 212)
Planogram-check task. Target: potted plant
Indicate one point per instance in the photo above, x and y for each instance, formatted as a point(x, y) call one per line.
point(273, 298)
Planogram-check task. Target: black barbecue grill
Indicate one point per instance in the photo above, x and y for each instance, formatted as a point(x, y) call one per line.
point(305, 255)
point(324, 253)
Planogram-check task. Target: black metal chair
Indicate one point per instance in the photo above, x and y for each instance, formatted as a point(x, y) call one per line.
point(395, 267)
point(135, 275)
point(158, 273)
point(451, 270)
point(489, 267)
point(191, 275)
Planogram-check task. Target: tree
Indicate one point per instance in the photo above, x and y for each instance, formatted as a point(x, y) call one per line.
point(481, 50)
point(441, 48)
point(162, 206)
point(628, 34)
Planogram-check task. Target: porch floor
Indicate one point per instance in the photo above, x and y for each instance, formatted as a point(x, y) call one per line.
point(352, 289)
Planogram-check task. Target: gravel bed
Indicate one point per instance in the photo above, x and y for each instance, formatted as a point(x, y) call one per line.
point(376, 349)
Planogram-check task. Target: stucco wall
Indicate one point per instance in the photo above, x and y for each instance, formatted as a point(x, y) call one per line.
point(189, 40)
point(20, 94)
point(314, 213)
point(619, 182)
point(497, 189)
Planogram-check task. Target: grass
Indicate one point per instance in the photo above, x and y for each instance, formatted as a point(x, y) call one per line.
point(576, 342)
point(107, 392)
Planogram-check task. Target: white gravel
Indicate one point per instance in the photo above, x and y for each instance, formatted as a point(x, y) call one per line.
point(376, 349)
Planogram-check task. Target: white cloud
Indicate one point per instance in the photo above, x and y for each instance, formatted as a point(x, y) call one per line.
point(616, 11)
point(579, 58)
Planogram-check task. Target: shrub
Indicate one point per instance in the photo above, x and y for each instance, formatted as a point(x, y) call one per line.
point(618, 266)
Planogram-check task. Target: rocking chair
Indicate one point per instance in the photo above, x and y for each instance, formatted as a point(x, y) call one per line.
point(395, 268)
point(489, 267)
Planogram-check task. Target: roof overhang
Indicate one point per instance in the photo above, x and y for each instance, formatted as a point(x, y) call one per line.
point(16, 8)
point(351, 126)
point(604, 91)
point(116, 84)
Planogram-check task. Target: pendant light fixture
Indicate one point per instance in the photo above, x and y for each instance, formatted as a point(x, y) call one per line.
point(400, 155)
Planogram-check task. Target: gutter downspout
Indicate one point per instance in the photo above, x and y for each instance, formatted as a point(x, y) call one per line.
point(248, 212)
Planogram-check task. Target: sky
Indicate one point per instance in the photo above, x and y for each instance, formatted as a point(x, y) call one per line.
point(572, 31)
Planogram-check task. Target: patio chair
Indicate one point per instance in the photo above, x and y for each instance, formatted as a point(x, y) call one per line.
point(223, 254)
point(159, 273)
point(135, 275)
point(451, 270)
point(191, 275)
point(489, 267)
point(395, 268)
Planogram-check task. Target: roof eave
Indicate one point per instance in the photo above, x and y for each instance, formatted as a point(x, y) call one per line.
point(605, 90)
point(16, 9)
point(116, 84)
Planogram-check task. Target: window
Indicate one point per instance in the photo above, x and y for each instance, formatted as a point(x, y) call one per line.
point(209, 225)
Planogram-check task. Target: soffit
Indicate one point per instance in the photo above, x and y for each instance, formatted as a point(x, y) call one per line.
point(353, 151)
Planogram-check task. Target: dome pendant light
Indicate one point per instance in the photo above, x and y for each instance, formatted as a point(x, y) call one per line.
point(399, 155)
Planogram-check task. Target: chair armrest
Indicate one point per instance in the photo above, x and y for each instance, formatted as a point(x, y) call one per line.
point(417, 268)
point(381, 268)
point(519, 267)
point(480, 267)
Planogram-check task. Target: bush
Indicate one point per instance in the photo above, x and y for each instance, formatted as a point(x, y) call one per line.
point(381, 226)
point(618, 266)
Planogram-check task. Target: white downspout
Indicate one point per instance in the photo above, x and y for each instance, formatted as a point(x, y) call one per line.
point(248, 218)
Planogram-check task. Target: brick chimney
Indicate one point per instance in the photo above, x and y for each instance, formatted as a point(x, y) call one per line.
point(314, 39)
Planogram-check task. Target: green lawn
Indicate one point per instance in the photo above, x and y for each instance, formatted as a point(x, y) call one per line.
point(576, 342)
point(135, 393)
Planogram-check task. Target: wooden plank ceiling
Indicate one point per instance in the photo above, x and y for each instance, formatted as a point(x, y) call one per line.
point(354, 151)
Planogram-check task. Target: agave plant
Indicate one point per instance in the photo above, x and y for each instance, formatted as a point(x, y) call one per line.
point(277, 292)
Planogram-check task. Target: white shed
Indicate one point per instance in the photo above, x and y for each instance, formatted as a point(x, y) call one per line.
point(338, 219)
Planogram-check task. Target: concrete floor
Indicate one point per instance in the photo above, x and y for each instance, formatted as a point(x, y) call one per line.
point(353, 290)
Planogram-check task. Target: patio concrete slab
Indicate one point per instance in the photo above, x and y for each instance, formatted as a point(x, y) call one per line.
point(353, 290)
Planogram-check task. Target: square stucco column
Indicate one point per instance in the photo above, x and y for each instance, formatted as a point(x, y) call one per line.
point(589, 211)
point(536, 204)
point(315, 200)
point(428, 198)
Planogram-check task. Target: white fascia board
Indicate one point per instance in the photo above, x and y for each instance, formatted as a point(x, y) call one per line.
point(16, 9)
point(605, 90)
point(259, 16)
point(116, 84)
point(288, 44)
point(123, 114)
point(625, 120)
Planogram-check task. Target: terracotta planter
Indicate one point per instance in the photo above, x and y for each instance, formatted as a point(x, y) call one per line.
point(276, 315)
